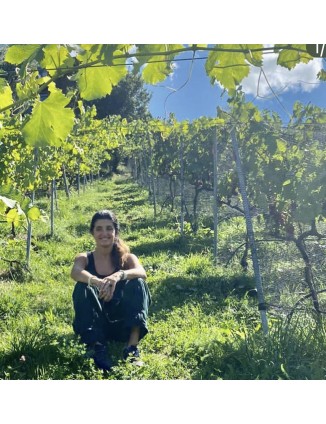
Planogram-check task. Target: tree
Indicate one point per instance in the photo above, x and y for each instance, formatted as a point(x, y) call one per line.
point(129, 99)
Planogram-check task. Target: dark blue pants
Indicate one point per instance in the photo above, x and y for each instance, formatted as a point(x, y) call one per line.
point(99, 321)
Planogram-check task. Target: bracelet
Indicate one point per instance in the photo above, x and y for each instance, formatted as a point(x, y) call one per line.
point(89, 280)
point(123, 275)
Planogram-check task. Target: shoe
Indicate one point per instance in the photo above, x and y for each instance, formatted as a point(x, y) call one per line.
point(131, 354)
point(99, 354)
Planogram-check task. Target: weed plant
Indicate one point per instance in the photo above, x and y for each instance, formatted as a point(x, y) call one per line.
point(203, 323)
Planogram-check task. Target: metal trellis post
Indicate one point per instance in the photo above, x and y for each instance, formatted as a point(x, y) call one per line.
point(182, 189)
point(250, 232)
point(215, 206)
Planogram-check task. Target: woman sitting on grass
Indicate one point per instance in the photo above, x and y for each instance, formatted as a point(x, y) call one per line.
point(110, 298)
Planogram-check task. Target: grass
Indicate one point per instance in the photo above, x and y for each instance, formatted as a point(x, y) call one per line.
point(203, 324)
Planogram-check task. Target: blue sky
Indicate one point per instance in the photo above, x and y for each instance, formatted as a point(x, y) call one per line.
point(189, 94)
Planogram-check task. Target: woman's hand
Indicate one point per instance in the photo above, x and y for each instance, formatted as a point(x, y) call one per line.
point(108, 286)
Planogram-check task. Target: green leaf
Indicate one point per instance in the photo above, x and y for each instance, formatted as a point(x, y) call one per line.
point(89, 52)
point(50, 122)
point(157, 68)
point(14, 216)
point(98, 82)
point(290, 58)
point(287, 182)
point(5, 94)
point(34, 213)
point(322, 75)
point(254, 57)
point(107, 53)
point(228, 68)
point(56, 56)
point(20, 53)
point(284, 371)
point(281, 146)
point(156, 72)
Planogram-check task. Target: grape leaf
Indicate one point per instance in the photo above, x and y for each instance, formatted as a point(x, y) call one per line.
point(254, 57)
point(156, 72)
point(290, 58)
point(20, 53)
point(157, 67)
point(34, 213)
point(228, 68)
point(50, 122)
point(13, 216)
point(56, 56)
point(322, 75)
point(98, 82)
point(5, 94)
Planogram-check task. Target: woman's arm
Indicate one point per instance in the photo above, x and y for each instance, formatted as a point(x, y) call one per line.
point(79, 273)
point(132, 269)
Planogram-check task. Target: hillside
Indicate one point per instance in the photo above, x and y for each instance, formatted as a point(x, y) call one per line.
point(203, 324)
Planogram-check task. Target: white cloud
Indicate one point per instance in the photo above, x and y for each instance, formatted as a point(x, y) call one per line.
point(174, 67)
point(301, 78)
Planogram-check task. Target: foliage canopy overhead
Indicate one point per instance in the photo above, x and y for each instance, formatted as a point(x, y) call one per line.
point(97, 68)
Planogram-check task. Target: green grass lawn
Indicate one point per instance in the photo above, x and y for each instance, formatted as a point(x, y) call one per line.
point(202, 326)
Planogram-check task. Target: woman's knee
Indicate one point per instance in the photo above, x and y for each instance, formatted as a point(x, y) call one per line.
point(135, 283)
point(136, 291)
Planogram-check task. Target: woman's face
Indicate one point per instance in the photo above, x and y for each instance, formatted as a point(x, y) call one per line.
point(104, 232)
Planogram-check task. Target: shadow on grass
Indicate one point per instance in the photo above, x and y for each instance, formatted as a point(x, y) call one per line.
point(150, 223)
point(127, 204)
point(81, 229)
point(178, 244)
point(177, 291)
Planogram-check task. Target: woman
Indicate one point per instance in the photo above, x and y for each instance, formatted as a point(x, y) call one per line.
point(111, 298)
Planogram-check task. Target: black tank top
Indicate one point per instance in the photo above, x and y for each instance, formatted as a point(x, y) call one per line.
point(90, 267)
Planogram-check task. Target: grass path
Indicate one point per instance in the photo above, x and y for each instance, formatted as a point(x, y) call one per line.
point(199, 327)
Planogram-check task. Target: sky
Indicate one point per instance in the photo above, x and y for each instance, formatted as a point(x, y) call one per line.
point(189, 94)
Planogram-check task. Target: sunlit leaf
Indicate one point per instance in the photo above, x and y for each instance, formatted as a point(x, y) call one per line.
point(254, 57)
point(5, 94)
point(284, 371)
point(13, 216)
point(281, 145)
point(50, 122)
point(157, 67)
point(322, 75)
point(290, 58)
point(20, 53)
point(227, 68)
point(34, 213)
point(98, 82)
point(287, 182)
point(55, 56)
